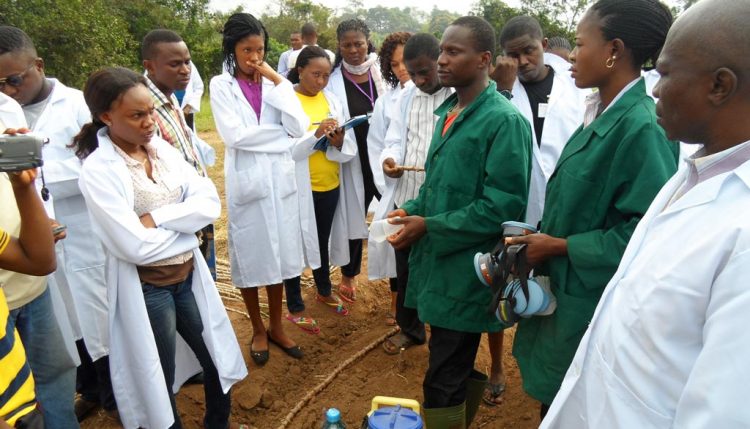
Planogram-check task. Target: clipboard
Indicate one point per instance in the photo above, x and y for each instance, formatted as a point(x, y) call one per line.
point(323, 143)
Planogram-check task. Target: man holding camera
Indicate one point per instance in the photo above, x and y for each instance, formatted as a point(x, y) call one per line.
point(28, 297)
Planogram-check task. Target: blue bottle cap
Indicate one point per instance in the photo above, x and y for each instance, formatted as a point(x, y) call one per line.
point(333, 415)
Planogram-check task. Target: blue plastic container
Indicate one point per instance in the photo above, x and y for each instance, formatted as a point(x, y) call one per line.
point(394, 418)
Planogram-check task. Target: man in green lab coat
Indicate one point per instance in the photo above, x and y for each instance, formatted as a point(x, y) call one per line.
point(477, 177)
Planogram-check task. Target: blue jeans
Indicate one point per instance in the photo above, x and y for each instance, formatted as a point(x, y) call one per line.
point(53, 370)
point(171, 310)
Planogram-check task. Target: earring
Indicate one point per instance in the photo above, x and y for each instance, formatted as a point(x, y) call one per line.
point(610, 62)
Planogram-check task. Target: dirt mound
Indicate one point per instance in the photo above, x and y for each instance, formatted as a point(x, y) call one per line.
point(268, 394)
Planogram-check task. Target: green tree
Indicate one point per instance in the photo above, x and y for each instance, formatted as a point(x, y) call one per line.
point(438, 21)
point(496, 12)
point(74, 37)
point(556, 16)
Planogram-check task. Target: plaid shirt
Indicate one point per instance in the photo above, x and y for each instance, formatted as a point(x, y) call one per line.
point(171, 126)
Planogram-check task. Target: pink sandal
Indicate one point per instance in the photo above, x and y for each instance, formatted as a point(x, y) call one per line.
point(307, 324)
point(337, 307)
point(347, 293)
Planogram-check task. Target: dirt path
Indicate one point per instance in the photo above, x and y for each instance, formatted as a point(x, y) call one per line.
point(268, 394)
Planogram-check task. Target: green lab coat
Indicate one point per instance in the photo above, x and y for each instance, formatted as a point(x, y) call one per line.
point(605, 180)
point(477, 176)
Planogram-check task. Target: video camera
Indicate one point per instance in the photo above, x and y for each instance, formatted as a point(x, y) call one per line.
point(20, 152)
point(506, 271)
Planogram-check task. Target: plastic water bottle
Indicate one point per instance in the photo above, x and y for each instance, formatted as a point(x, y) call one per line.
point(333, 420)
point(381, 229)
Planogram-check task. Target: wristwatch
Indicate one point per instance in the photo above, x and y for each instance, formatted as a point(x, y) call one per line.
point(507, 94)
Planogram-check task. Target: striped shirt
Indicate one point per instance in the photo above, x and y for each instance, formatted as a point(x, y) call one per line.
point(420, 125)
point(171, 126)
point(16, 384)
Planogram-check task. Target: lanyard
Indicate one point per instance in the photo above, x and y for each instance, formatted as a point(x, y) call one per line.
point(371, 95)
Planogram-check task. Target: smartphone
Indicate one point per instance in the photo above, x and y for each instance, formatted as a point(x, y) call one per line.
point(58, 229)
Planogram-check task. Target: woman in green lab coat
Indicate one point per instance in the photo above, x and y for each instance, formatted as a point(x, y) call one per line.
point(606, 177)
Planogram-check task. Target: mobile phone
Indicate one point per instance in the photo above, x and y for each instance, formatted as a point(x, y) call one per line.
point(58, 229)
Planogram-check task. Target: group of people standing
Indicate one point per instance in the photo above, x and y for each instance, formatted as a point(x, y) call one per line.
point(647, 331)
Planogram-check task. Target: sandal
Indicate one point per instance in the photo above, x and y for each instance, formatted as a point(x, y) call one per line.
point(347, 293)
point(307, 324)
point(390, 319)
point(337, 307)
point(492, 393)
point(394, 344)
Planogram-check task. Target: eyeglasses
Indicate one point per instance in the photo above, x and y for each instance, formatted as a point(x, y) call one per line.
point(15, 80)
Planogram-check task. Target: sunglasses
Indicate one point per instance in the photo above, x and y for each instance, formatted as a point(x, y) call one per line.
point(15, 80)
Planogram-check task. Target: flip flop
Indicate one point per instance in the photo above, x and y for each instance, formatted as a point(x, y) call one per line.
point(492, 392)
point(307, 324)
point(293, 351)
point(337, 307)
point(394, 344)
point(347, 293)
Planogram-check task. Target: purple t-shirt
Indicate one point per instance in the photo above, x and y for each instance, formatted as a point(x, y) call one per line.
point(253, 92)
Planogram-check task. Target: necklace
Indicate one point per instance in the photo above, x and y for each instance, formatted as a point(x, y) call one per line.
point(371, 95)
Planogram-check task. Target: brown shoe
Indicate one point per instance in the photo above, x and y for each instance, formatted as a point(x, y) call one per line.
point(83, 408)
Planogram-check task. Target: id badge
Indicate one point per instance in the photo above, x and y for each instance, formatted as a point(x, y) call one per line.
point(542, 110)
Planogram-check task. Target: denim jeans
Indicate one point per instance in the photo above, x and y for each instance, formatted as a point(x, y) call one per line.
point(171, 310)
point(52, 367)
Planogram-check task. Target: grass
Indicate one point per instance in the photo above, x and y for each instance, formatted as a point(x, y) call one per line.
point(204, 120)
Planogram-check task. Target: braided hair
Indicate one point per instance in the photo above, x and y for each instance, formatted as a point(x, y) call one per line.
point(344, 27)
point(558, 42)
point(385, 56)
point(237, 27)
point(642, 25)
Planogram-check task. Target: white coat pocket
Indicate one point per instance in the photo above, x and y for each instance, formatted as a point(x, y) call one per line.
point(247, 186)
point(287, 178)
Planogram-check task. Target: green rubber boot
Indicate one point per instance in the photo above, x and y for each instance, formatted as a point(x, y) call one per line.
point(475, 386)
point(445, 418)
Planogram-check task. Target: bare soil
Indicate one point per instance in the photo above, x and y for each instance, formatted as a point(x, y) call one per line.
point(268, 394)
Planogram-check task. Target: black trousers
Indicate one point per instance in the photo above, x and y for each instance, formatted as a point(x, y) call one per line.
point(324, 204)
point(354, 266)
point(407, 318)
point(92, 379)
point(452, 355)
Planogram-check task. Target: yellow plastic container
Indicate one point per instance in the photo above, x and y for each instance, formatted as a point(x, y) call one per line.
point(387, 401)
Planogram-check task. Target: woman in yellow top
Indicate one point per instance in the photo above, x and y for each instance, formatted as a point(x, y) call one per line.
point(32, 253)
point(318, 178)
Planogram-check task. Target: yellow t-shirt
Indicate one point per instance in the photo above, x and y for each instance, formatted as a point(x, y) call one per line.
point(324, 173)
point(16, 384)
point(19, 289)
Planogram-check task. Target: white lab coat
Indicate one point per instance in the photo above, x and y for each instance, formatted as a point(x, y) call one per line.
point(669, 343)
point(565, 111)
point(382, 114)
point(651, 78)
point(80, 273)
point(302, 150)
point(137, 378)
point(261, 188)
point(352, 188)
point(194, 90)
point(381, 258)
point(11, 116)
